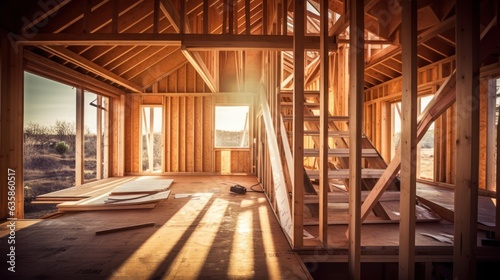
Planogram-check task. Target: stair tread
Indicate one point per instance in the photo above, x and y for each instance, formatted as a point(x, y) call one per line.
point(343, 134)
point(340, 152)
point(316, 118)
point(309, 104)
point(306, 92)
point(366, 173)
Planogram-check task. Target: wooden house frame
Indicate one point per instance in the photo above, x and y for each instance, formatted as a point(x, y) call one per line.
point(319, 77)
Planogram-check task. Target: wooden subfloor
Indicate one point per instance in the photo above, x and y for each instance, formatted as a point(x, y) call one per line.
point(212, 234)
point(380, 239)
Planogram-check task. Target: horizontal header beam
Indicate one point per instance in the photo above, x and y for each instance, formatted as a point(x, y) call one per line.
point(188, 41)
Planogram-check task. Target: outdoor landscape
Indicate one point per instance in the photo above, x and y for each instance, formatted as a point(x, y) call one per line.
point(49, 162)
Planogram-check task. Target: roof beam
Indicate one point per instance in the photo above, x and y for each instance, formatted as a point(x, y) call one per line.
point(181, 25)
point(190, 41)
point(91, 67)
point(443, 26)
point(50, 69)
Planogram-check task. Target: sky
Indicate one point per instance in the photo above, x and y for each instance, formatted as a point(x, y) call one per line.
point(47, 101)
point(230, 118)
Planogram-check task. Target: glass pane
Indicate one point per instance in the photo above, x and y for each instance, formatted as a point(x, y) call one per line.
point(151, 140)
point(49, 140)
point(231, 127)
point(426, 145)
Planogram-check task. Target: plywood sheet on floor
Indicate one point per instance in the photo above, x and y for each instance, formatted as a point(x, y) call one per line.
point(445, 198)
point(212, 234)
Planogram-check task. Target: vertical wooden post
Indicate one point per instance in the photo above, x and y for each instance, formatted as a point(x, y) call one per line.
point(408, 141)
point(356, 81)
point(105, 132)
point(298, 123)
point(323, 125)
point(116, 138)
point(99, 138)
point(491, 141)
point(80, 134)
point(467, 129)
point(11, 125)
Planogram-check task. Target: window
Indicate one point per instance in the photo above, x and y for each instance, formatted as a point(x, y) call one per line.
point(425, 148)
point(95, 137)
point(231, 126)
point(49, 140)
point(151, 139)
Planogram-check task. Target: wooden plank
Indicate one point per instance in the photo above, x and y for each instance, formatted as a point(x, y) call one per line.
point(99, 137)
point(118, 120)
point(50, 69)
point(356, 82)
point(467, 129)
point(118, 229)
point(283, 203)
point(491, 141)
point(287, 151)
point(147, 198)
point(324, 113)
point(189, 41)
point(441, 101)
point(442, 211)
point(80, 131)
point(298, 124)
point(340, 152)
point(408, 141)
point(11, 125)
point(314, 118)
point(150, 185)
point(366, 173)
point(92, 67)
point(343, 197)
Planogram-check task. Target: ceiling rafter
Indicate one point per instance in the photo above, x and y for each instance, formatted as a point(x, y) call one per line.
point(91, 67)
point(129, 17)
point(161, 69)
point(141, 65)
point(193, 57)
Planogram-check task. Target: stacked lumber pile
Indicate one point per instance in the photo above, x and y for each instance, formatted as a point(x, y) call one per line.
point(145, 193)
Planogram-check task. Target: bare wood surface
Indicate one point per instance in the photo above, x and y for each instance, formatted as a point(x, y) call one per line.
point(124, 228)
point(209, 235)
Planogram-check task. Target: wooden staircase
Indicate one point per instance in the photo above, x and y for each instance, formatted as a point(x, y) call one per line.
point(339, 153)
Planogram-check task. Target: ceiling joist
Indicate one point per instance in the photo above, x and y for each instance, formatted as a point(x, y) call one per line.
point(91, 67)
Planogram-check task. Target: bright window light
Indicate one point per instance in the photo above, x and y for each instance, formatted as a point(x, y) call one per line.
point(231, 126)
